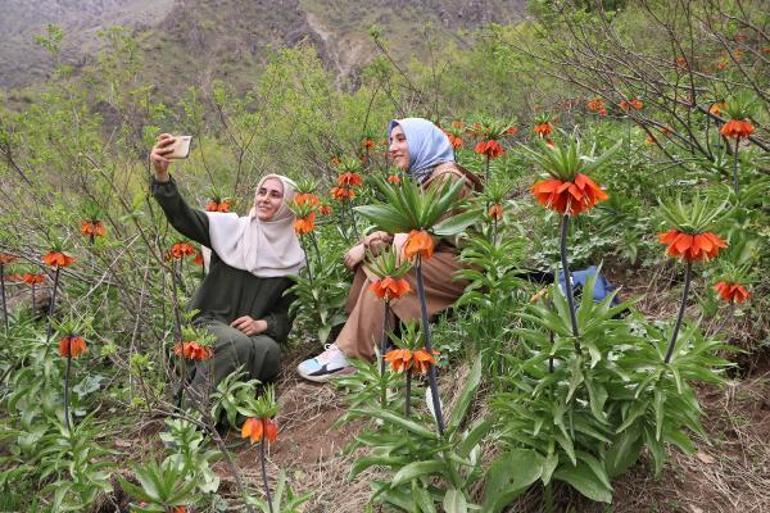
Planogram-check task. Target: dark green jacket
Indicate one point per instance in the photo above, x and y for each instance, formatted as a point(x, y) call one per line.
point(226, 293)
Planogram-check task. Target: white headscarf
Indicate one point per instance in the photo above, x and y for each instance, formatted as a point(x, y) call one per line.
point(264, 248)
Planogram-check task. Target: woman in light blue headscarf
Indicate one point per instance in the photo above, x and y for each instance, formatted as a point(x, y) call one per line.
point(423, 151)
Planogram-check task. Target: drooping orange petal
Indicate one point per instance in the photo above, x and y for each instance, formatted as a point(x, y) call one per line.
point(399, 359)
point(270, 429)
point(419, 242)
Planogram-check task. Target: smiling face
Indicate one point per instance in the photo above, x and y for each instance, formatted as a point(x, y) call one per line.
point(399, 149)
point(269, 198)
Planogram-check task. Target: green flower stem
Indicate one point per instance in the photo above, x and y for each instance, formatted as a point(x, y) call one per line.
point(67, 389)
point(426, 331)
point(349, 205)
point(2, 293)
point(175, 299)
point(687, 279)
point(568, 274)
point(408, 393)
point(315, 248)
point(548, 505)
point(52, 306)
point(264, 475)
point(178, 335)
point(383, 344)
point(486, 171)
point(34, 301)
point(735, 165)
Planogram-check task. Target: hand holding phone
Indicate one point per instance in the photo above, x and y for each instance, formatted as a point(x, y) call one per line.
point(180, 147)
point(168, 147)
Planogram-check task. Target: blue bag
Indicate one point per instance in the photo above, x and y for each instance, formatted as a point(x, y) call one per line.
point(602, 288)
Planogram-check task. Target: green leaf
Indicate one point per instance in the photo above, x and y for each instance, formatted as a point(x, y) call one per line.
point(466, 396)
point(391, 417)
point(658, 403)
point(418, 469)
point(455, 224)
point(454, 501)
point(624, 452)
point(549, 466)
point(583, 479)
point(509, 476)
point(422, 498)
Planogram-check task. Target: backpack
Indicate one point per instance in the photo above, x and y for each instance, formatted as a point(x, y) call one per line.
point(602, 287)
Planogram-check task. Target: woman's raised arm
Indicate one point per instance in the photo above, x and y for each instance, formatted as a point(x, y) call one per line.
point(192, 223)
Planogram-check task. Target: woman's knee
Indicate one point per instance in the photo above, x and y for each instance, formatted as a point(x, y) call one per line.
point(267, 357)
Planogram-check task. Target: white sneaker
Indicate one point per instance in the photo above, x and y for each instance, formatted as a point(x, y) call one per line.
point(325, 366)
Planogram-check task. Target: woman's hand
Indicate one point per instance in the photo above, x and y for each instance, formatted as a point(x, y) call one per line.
point(249, 326)
point(375, 242)
point(355, 256)
point(158, 156)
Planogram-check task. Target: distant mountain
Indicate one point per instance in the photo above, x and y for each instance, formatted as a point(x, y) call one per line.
point(206, 39)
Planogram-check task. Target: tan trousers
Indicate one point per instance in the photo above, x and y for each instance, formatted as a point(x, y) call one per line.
point(366, 312)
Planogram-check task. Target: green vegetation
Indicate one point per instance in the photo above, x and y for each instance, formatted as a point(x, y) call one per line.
point(562, 396)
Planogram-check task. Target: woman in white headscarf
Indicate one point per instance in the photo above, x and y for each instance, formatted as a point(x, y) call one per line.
point(241, 301)
point(424, 152)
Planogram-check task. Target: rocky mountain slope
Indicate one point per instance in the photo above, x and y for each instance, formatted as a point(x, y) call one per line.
point(205, 39)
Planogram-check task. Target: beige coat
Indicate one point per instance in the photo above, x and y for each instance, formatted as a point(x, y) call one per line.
point(366, 312)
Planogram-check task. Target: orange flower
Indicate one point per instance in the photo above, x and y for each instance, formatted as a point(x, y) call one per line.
point(571, 198)
point(390, 288)
point(691, 247)
point(58, 259)
point(179, 509)
point(737, 128)
point(495, 211)
point(394, 179)
point(193, 351)
point(400, 360)
point(335, 161)
point(349, 180)
point(512, 131)
point(681, 62)
point(543, 129)
point(367, 143)
point(198, 260)
point(14, 277)
point(180, 250)
point(257, 429)
point(33, 279)
point(422, 360)
point(218, 206)
point(595, 105)
point(72, 346)
point(325, 210)
point(716, 109)
point(304, 225)
point(7, 258)
point(490, 148)
point(635, 104)
point(306, 197)
point(343, 193)
point(93, 228)
point(417, 362)
point(732, 292)
point(419, 242)
point(455, 140)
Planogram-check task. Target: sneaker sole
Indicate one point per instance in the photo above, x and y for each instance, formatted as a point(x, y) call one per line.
point(324, 378)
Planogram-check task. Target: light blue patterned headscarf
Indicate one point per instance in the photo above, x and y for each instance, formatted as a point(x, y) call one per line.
point(428, 146)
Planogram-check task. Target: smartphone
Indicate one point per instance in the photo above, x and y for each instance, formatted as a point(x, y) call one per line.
point(181, 147)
